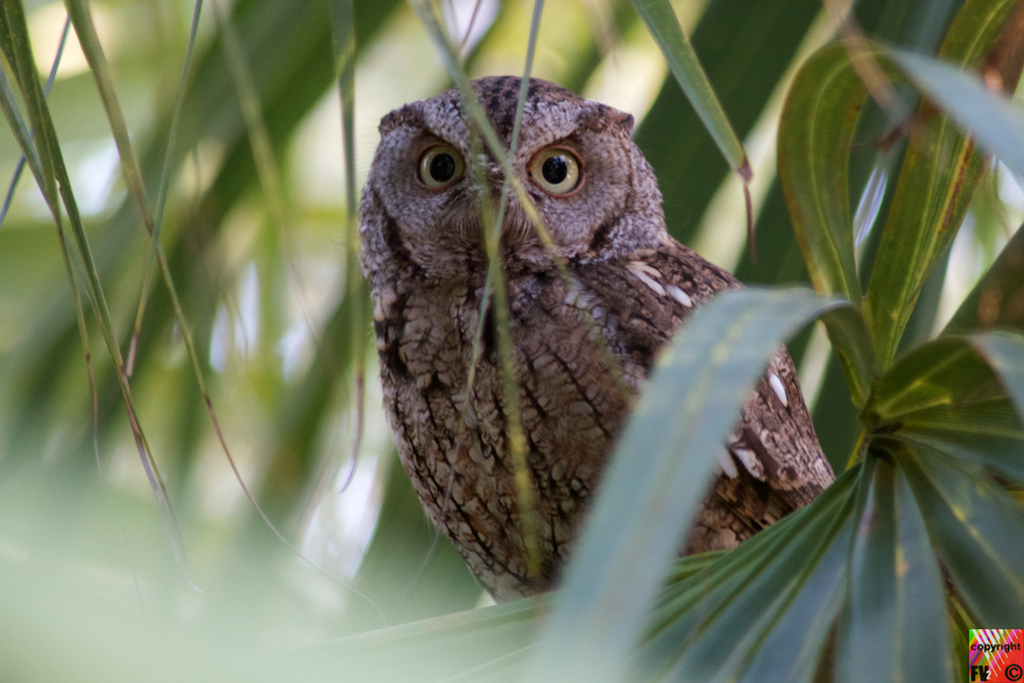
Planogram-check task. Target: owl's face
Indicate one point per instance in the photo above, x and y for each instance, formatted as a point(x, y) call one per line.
point(591, 186)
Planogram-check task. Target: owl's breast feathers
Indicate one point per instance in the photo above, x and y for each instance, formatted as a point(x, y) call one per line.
point(583, 348)
point(772, 463)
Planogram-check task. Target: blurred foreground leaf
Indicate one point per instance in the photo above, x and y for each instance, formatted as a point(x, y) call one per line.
point(658, 476)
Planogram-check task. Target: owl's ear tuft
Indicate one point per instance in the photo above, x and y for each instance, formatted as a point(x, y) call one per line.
point(601, 117)
point(409, 115)
point(625, 121)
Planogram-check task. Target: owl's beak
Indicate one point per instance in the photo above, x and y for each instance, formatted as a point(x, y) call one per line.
point(494, 179)
point(515, 224)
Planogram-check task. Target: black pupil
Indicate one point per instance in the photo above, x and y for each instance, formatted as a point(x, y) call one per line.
point(442, 167)
point(554, 170)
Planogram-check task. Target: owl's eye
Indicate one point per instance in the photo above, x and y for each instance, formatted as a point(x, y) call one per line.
point(440, 165)
point(556, 170)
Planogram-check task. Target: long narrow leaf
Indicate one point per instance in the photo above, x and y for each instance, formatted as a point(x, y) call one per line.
point(86, 32)
point(940, 172)
point(851, 341)
point(792, 651)
point(896, 627)
point(815, 134)
point(682, 60)
point(995, 299)
point(990, 116)
point(943, 372)
point(9, 106)
point(944, 396)
point(55, 176)
point(14, 119)
point(977, 528)
point(658, 476)
point(165, 181)
point(1005, 353)
point(986, 431)
point(691, 604)
point(746, 49)
point(722, 634)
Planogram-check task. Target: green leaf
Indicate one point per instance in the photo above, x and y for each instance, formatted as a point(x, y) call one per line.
point(943, 372)
point(977, 528)
point(1004, 351)
point(944, 396)
point(792, 650)
point(742, 601)
point(991, 117)
point(678, 622)
point(658, 476)
point(745, 48)
point(895, 628)
point(9, 106)
point(997, 300)
point(133, 172)
point(985, 431)
point(81, 18)
point(935, 185)
point(482, 641)
point(682, 61)
point(816, 131)
point(851, 342)
point(940, 172)
point(56, 180)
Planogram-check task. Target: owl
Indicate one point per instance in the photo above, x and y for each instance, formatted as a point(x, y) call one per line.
point(588, 313)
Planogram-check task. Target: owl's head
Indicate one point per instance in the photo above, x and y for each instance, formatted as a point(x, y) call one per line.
point(593, 189)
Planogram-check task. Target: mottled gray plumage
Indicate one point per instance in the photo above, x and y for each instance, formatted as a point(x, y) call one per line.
point(583, 346)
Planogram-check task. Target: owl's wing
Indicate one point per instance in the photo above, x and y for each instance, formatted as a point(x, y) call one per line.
point(772, 463)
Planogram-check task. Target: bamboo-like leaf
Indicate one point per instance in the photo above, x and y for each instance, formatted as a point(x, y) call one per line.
point(86, 31)
point(19, 53)
point(986, 431)
point(55, 177)
point(13, 117)
point(343, 46)
point(259, 138)
point(658, 476)
point(87, 38)
point(491, 225)
point(155, 248)
point(679, 619)
point(9, 106)
point(288, 50)
point(816, 131)
point(685, 66)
